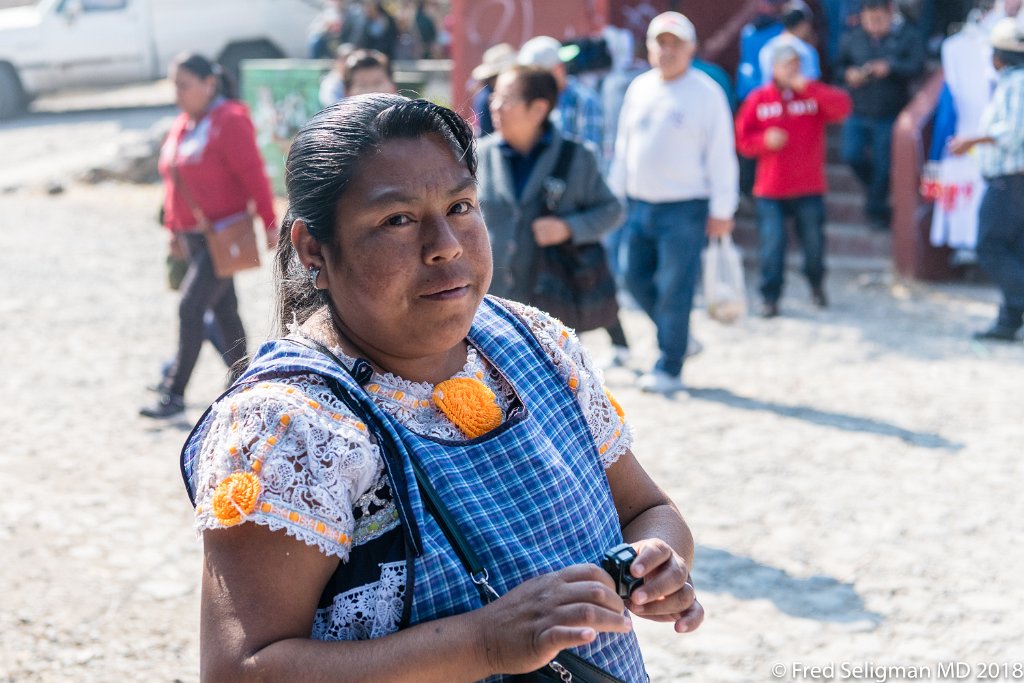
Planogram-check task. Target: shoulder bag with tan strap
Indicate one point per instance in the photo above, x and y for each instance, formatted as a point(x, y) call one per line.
point(230, 240)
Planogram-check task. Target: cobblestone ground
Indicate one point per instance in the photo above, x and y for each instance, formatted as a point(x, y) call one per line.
point(851, 475)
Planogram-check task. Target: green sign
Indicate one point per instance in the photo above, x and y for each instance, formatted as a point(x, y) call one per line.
point(282, 95)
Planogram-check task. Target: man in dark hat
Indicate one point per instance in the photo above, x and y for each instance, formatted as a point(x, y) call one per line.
point(1001, 156)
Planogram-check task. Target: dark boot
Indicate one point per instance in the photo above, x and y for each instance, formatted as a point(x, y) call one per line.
point(167, 405)
point(997, 333)
point(818, 297)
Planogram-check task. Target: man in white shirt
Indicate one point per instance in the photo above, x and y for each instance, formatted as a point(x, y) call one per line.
point(675, 163)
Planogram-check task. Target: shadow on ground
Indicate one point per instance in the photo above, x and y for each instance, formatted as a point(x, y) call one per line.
point(850, 423)
point(821, 598)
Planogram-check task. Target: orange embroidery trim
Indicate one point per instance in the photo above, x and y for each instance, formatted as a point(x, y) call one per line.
point(615, 404)
point(469, 404)
point(398, 396)
point(235, 498)
point(306, 522)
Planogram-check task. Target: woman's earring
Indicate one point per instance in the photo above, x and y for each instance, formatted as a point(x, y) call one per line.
point(314, 273)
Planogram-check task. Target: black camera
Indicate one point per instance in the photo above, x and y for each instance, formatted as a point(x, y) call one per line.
point(617, 561)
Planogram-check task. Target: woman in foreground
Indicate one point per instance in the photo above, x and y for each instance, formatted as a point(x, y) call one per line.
point(321, 559)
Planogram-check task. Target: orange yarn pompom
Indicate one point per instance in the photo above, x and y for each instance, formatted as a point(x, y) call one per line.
point(469, 404)
point(615, 404)
point(235, 498)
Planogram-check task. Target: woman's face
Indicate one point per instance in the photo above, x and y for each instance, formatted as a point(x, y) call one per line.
point(412, 259)
point(513, 116)
point(192, 93)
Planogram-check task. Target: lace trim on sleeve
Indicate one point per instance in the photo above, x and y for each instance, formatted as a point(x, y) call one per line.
point(288, 456)
point(370, 611)
point(613, 436)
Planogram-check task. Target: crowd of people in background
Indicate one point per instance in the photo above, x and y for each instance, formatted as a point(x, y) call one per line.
point(416, 29)
point(647, 151)
point(681, 142)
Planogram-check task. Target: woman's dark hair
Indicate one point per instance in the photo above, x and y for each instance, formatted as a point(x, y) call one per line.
point(324, 157)
point(365, 59)
point(202, 67)
point(536, 83)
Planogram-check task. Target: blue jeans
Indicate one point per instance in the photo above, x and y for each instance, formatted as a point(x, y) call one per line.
point(615, 246)
point(809, 217)
point(664, 243)
point(1001, 244)
point(867, 148)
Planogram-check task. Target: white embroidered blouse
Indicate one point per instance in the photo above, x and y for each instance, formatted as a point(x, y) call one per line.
point(316, 464)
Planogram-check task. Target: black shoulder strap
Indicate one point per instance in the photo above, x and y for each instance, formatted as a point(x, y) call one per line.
point(555, 184)
point(565, 155)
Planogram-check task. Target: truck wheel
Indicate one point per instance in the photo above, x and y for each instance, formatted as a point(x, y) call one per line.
point(233, 55)
point(12, 96)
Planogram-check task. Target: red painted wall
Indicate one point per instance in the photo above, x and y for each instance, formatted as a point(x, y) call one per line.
point(480, 24)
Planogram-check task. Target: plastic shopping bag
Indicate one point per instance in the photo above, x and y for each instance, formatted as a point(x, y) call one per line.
point(724, 291)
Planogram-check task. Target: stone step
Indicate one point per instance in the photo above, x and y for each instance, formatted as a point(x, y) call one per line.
point(845, 207)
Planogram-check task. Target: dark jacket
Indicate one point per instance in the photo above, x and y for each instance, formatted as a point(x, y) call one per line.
point(882, 98)
point(587, 205)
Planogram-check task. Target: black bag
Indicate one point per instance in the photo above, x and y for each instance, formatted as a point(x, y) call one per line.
point(573, 281)
point(568, 667)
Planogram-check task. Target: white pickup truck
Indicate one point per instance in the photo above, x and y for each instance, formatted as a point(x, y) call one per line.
point(55, 44)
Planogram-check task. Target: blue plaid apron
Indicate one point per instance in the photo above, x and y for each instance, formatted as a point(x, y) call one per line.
point(531, 496)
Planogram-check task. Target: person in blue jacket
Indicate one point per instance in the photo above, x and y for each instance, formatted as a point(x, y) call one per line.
point(753, 37)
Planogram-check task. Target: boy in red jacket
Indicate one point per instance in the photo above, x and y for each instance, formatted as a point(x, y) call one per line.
point(783, 125)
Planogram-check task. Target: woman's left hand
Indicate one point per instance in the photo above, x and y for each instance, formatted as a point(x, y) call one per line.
point(667, 593)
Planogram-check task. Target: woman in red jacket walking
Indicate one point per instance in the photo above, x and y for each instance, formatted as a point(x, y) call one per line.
point(211, 168)
point(783, 125)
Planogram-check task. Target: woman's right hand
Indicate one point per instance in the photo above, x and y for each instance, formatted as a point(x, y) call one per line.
point(527, 627)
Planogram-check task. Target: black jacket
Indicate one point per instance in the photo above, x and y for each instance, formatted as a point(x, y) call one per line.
point(882, 98)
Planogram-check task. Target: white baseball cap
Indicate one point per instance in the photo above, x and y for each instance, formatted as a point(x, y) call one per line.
point(496, 59)
point(546, 52)
point(783, 51)
point(673, 23)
